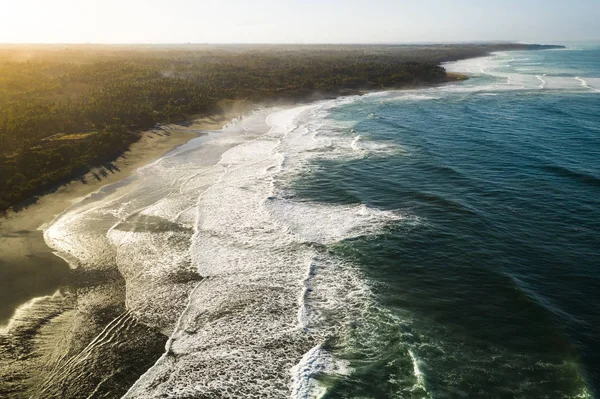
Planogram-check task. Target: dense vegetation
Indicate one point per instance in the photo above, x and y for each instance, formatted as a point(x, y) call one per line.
point(64, 109)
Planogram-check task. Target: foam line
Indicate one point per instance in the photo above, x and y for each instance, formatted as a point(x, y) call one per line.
point(222, 257)
point(315, 362)
point(543, 85)
point(582, 81)
point(417, 371)
point(265, 278)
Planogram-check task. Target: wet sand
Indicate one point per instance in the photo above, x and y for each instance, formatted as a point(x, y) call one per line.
point(28, 268)
point(54, 320)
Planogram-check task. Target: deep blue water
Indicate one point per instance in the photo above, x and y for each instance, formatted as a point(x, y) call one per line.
point(490, 286)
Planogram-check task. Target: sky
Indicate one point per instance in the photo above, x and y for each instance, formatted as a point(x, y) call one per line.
point(297, 21)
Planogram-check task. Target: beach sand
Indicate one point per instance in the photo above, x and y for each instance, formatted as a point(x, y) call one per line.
point(40, 320)
point(28, 267)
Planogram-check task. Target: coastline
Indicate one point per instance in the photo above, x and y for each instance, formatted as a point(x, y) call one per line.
point(21, 235)
point(34, 263)
point(60, 325)
point(152, 145)
point(38, 309)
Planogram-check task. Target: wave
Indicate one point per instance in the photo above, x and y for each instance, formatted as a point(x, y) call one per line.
point(543, 85)
point(584, 83)
point(545, 76)
point(580, 176)
point(316, 362)
point(442, 201)
point(361, 144)
point(419, 376)
point(218, 256)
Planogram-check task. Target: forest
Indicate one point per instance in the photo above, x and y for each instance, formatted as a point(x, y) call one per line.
point(65, 109)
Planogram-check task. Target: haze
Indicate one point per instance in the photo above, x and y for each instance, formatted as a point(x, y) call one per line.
point(296, 21)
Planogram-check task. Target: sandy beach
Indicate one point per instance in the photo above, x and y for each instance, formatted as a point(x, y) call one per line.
point(28, 268)
point(39, 319)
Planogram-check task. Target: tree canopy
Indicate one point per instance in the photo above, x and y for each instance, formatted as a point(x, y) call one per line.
point(66, 109)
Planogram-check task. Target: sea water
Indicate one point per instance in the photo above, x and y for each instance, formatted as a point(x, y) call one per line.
point(434, 243)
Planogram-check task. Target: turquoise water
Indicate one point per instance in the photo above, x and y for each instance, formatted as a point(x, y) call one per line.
point(489, 286)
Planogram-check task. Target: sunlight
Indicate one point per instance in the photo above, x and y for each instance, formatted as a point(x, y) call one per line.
point(39, 21)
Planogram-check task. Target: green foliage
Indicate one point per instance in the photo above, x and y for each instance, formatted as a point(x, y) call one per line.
point(114, 91)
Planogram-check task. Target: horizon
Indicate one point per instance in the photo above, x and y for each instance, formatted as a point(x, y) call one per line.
point(297, 22)
point(414, 43)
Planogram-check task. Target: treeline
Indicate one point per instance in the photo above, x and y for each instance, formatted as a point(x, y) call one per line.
point(64, 109)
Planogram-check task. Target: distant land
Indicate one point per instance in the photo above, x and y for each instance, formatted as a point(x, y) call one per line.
point(65, 109)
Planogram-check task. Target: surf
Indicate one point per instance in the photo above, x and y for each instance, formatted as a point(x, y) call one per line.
point(222, 254)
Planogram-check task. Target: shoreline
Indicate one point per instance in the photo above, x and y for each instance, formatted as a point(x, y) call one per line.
point(41, 273)
point(60, 324)
point(39, 319)
point(21, 231)
point(25, 252)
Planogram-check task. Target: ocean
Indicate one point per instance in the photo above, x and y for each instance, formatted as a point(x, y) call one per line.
point(442, 242)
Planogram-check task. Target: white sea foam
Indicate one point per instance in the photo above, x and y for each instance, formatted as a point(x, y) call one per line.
point(594, 83)
point(582, 81)
point(585, 83)
point(216, 255)
point(259, 312)
point(543, 85)
point(314, 363)
point(545, 75)
point(417, 370)
point(368, 147)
